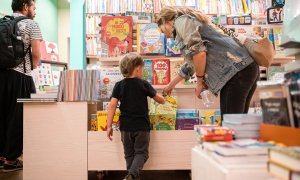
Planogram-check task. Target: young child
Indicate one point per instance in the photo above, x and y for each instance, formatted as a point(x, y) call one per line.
point(132, 92)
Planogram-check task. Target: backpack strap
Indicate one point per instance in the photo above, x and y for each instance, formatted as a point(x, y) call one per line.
point(20, 18)
point(30, 56)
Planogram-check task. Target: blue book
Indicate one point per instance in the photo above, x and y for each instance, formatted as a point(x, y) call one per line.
point(171, 48)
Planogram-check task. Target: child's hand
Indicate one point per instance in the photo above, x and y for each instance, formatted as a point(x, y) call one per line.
point(109, 133)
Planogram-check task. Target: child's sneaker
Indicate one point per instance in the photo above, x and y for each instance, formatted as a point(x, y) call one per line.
point(16, 165)
point(129, 177)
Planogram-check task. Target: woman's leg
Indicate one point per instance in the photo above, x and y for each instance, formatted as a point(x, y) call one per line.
point(238, 91)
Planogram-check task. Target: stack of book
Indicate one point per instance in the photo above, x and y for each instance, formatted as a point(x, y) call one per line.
point(206, 133)
point(186, 119)
point(240, 153)
point(284, 162)
point(79, 85)
point(244, 125)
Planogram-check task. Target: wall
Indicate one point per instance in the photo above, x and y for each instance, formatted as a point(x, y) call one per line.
point(77, 35)
point(63, 29)
point(47, 17)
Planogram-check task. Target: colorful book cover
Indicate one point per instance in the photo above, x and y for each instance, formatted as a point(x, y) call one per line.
point(149, 39)
point(44, 73)
point(277, 33)
point(102, 120)
point(147, 75)
point(108, 78)
point(175, 68)
point(163, 116)
point(161, 71)
point(49, 51)
point(171, 48)
point(186, 123)
point(116, 34)
point(148, 6)
point(275, 73)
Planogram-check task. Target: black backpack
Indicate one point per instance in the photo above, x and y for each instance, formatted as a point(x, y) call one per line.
point(11, 45)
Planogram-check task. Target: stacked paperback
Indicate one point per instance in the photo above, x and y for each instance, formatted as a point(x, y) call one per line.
point(79, 85)
point(284, 162)
point(186, 119)
point(240, 153)
point(244, 125)
point(206, 133)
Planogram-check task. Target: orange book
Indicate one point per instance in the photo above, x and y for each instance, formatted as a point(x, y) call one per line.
point(116, 34)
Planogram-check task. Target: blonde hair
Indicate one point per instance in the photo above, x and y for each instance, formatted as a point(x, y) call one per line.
point(169, 13)
point(129, 62)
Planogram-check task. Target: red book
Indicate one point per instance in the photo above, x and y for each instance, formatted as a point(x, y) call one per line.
point(116, 35)
point(161, 71)
point(49, 51)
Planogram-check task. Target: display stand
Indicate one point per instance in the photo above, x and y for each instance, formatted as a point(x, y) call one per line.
point(57, 144)
point(204, 167)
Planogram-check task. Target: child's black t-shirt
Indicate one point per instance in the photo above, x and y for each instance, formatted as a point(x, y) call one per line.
point(132, 93)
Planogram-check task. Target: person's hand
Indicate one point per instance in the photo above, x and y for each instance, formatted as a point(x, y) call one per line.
point(168, 89)
point(199, 88)
point(109, 133)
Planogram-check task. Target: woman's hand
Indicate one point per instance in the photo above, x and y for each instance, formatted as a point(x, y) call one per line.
point(168, 89)
point(199, 88)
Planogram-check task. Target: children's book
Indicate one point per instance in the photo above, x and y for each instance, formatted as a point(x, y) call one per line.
point(149, 39)
point(147, 75)
point(108, 79)
point(163, 116)
point(171, 48)
point(161, 71)
point(102, 120)
point(116, 34)
point(175, 68)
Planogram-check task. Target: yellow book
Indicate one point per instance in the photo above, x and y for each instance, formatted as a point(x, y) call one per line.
point(102, 120)
point(245, 7)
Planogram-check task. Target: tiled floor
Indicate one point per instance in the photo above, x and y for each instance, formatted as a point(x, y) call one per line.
point(115, 175)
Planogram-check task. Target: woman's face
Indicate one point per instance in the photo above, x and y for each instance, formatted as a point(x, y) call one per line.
point(167, 28)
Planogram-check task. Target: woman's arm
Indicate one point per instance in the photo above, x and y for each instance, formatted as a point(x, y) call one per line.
point(199, 64)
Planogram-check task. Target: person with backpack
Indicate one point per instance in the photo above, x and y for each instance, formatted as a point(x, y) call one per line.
point(20, 38)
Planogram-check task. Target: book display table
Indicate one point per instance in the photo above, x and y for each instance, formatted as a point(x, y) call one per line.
point(204, 167)
point(57, 144)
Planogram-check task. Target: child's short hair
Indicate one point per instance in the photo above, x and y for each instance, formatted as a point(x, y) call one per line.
point(129, 62)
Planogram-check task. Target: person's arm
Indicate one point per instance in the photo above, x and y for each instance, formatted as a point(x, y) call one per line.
point(195, 51)
point(35, 40)
point(111, 112)
point(169, 88)
point(159, 99)
point(36, 52)
point(199, 65)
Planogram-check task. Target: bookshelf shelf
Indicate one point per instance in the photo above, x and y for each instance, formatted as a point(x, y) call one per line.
point(54, 62)
point(283, 59)
point(117, 59)
point(176, 87)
